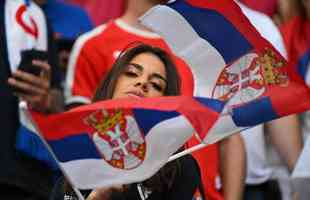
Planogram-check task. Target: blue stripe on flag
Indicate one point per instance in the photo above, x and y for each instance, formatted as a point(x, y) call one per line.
point(74, 148)
point(213, 104)
point(31, 144)
point(303, 65)
point(147, 119)
point(209, 24)
point(254, 113)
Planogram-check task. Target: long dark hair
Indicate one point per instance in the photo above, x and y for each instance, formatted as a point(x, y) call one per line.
point(107, 86)
point(162, 180)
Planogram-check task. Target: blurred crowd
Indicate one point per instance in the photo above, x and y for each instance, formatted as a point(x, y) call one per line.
point(83, 39)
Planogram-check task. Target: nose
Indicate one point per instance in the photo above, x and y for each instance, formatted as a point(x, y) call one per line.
point(143, 83)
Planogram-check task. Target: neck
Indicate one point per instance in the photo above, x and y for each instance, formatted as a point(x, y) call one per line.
point(134, 10)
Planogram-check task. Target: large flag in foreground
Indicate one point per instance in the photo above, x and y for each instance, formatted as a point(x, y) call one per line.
point(230, 61)
point(123, 141)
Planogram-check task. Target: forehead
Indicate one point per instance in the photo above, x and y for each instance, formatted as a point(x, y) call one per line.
point(151, 63)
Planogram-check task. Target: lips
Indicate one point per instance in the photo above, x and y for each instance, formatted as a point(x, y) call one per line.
point(135, 94)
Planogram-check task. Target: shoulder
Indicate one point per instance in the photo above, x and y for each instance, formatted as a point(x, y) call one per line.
point(188, 162)
point(189, 169)
point(90, 42)
point(182, 188)
point(91, 37)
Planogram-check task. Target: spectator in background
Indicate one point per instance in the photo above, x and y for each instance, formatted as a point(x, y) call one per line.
point(101, 11)
point(294, 20)
point(23, 27)
point(90, 61)
point(68, 22)
point(284, 132)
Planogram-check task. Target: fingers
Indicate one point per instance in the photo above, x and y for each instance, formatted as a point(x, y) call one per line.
point(45, 69)
point(31, 79)
point(31, 88)
point(43, 65)
point(28, 87)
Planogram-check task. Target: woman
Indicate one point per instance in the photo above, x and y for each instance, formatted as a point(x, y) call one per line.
point(146, 71)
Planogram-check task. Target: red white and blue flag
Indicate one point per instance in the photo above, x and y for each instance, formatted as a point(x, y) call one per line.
point(123, 141)
point(231, 62)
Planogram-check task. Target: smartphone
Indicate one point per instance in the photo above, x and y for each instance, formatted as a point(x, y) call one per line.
point(27, 56)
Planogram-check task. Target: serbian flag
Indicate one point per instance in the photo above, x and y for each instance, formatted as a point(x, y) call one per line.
point(231, 62)
point(123, 141)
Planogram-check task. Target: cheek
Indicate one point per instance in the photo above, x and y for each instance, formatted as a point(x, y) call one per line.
point(122, 82)
point(121, 85)
point(155, 93)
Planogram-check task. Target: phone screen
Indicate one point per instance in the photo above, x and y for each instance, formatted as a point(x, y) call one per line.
point(26, 61)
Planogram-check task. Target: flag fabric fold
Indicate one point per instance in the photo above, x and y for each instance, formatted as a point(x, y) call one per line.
point(231, 62)
point(125, 140)
point(29, 141)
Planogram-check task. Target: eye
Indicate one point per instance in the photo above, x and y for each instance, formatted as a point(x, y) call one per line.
point(131, 73)
point(157, 86)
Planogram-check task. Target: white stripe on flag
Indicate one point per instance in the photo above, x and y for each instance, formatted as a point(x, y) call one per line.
point(222, 128)
point(188, 45)
point(25, 120)
point(161, 141)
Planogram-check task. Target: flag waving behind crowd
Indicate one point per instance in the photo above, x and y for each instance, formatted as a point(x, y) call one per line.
point(230, 61)
point(121, 140)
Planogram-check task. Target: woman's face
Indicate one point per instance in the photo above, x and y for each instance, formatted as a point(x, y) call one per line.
point(144, 76)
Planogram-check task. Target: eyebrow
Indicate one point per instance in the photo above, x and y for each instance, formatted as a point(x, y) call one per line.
point(140, 68)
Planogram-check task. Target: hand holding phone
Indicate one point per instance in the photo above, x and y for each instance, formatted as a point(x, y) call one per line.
point(27, 58)
point(31, 82)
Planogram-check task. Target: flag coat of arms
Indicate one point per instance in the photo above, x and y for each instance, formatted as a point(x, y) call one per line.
point(231, 62)
point(123, 141)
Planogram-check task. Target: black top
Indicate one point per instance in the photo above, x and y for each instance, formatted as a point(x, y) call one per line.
point(186, 182)
point(17, 169)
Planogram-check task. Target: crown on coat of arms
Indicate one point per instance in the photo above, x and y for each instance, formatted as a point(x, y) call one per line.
point(102, 120)
point(271, 68)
